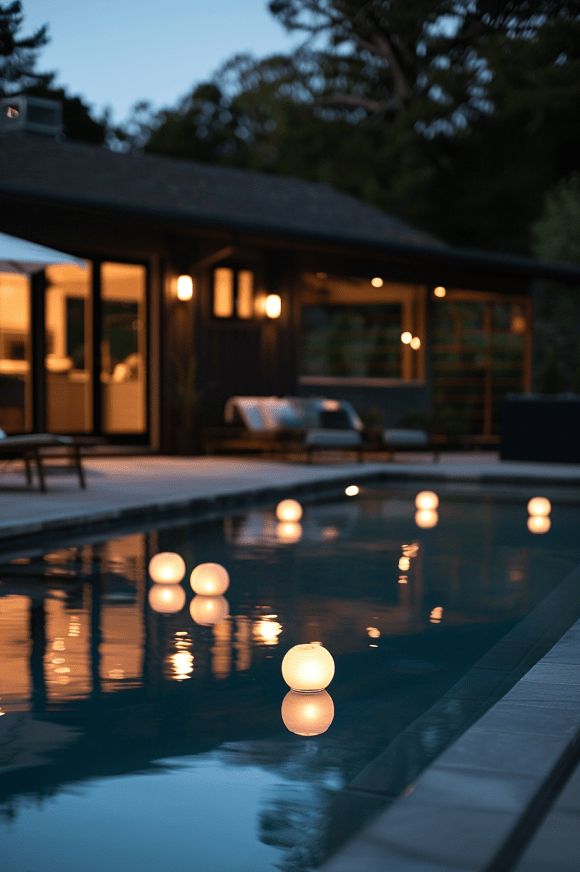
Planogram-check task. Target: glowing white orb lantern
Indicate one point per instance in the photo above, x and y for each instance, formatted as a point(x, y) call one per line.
point(288, 532)
point(167, 599)
point(167, 568)
point(426, 500)
point(307, 714)
point(426, 518)
point(209, 610)
point(539, 506)
point(539, 523)
point(209, 579)
point(404, 564)
point(307, 668)
point(353, 490)
point(289, 511)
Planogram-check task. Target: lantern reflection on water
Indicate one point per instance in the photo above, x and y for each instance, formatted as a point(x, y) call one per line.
point(167, 567)
point(209, 610)
point(307, 714)
point(210, 579)
point(308, 668)
point(539, 523)
point(267, 630)
point(288, 532)
point(426, 518)
point(166, 598)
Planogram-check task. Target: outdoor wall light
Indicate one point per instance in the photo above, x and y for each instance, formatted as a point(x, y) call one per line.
point(288, 532)
point(273, 306)
point(426, 500)
point(406, 337)
point(415, 343)
point(184, 288)
point(440, 292)
point(209, 610)
point(539, 523)
point(289, 510)
point(308, 715)
point(209, 579)
point(167, 567)
point(539, 506)
point(308, 668)
point(377, 282)
point(426, 518)
point(167, 599)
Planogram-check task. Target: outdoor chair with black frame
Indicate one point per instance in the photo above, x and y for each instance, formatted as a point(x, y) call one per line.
point(36, 448)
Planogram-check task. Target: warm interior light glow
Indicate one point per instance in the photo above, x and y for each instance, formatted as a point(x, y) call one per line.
point(440, 291)
point(406, 337)
point(289, 510)
point(288, 532)
point(209, 610)
point(539, 506)
point(273, 306)
point(209, 579)
point(184, 288)
point(415, 343)
point(307, 714)
point(352, 490)
point(167, 567)
point(267, 630)
point(426, 518)
point(166, 598)
point(539, 523)
point(410, 550)
point(308, 667)
point(373, 633)
point(404, 564)
point(426, 500)
point(377, 282)
point(436, 615)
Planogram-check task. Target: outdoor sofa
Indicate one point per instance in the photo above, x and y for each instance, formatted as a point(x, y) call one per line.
point(275, 425)
point(37, 448)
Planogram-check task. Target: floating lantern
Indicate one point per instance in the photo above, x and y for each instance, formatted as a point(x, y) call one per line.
point(426, 500)
point(426, 518)
point(307, 714)
point(167, 568)
point(404, 564)
point(209, 579)
point(289, 510)
point(539, 523)
point(288, 532)
point(307, 668)
point(209, 610)
point(539, 506)
point(166, 598)
point(352, 490)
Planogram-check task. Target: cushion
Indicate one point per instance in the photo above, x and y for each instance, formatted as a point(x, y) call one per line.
point(317, 438)
point(405, 438)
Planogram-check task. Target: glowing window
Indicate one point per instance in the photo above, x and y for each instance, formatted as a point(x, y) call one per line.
point(223, 293)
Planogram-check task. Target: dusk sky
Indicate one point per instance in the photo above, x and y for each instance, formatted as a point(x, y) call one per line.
point(115, 52)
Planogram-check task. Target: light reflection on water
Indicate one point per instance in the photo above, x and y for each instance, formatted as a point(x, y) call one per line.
point(107, 687)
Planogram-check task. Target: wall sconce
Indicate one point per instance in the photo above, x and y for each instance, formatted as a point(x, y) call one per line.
point(273, 306)
point(184, 288)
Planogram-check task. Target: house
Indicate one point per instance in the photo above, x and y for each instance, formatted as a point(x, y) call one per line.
point(203, 281)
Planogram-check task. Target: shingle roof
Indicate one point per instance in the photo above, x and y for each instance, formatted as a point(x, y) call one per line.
point(218, 196)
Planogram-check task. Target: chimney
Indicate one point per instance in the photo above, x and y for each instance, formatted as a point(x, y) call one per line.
point(26, 114)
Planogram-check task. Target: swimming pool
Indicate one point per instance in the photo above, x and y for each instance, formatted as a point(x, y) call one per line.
point(130, 738)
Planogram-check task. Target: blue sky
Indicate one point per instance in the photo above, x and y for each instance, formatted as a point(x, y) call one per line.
point(115, 52)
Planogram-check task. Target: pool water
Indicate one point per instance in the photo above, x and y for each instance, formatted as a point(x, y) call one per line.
point(130, 738)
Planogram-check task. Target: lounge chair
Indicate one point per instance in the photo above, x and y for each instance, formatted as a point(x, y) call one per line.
point(393, 440)
point(37, 448)
point(284, 424)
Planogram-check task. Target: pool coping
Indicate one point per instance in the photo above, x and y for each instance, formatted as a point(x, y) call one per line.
point(324, 485)
point(477, 806)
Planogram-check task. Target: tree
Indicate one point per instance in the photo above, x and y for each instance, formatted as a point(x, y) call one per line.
point(557, 308)
point(18, 54)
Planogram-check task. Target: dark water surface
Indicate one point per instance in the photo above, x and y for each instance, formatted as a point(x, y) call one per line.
point(131, 739)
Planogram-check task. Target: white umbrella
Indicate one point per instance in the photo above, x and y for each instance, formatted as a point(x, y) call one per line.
point(22, 256)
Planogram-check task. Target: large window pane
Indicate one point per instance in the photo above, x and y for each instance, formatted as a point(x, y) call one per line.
point(68, 349)
point(123, 348)
point(15, 370)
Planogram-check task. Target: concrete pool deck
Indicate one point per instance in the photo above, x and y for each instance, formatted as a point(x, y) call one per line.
point(493, 800)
